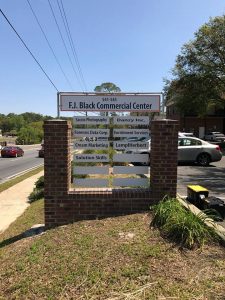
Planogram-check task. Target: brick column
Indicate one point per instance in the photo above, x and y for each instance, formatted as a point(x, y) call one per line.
point(57, 165)
point(164, 148)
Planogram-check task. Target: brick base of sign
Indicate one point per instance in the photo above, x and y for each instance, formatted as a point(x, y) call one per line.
point(82, 206)
point(64, 205)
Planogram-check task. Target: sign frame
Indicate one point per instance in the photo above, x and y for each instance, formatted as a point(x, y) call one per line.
point(148, 100)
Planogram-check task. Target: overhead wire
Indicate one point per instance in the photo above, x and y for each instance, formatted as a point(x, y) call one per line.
point(13, 28)
point(74, 52)
point(76, 75)
point(49, 45)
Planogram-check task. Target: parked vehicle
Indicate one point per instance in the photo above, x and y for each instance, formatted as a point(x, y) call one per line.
point(142, 151)
point(41, 152)
point(180, 134)
point(136, 139)
point(191, 149)
point(197, 150)
point(12, 151)
point(215, 136)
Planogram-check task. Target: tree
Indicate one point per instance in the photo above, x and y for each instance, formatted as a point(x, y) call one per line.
point(29, 135)
point(199, 72)
point(107, 87)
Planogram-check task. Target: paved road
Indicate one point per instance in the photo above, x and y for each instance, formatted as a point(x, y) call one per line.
point(211, 177)
point(9, 167)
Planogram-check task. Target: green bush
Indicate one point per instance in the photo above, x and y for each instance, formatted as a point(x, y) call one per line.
point(40, 182)
point(36, 195)
point(181, 225)
point(38, 191)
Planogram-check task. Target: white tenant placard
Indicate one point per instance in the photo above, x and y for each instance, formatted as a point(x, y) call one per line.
point(130, 133)
point(109, 102)
point(91, 157)
point(131, 182)
point(91, 145)
point(144, 158)
point(91, 182)
point(131, 170)
point(90, 120)
point(130, 145)
point(90, 132)
point(131, 120)
point(90, 170)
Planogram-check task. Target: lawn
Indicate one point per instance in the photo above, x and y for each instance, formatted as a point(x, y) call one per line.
point(114, 259)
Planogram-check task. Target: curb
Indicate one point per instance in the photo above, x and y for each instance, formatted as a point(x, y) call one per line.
point(220, 230)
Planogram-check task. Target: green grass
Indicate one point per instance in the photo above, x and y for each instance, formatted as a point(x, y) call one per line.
point(181, 225)
point(4, 186)
point(115, 258)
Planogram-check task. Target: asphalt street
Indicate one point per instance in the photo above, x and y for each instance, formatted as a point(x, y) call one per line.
point(211, 177)
point(10, 167)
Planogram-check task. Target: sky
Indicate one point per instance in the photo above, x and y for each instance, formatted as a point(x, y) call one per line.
point(132, 43)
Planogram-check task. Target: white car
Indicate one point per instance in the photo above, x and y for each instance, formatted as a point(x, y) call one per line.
point(215, 136)
point(180, 134)
point(190, 149)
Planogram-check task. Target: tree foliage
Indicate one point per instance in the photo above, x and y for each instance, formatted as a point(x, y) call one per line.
point(29, 135)
point(199, 72)
point(28, 127)
point(107, 87)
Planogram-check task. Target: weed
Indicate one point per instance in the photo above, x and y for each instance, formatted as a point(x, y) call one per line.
point(181, 225)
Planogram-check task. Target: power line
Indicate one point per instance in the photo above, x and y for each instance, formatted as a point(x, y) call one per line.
point(28, 50)
point(66, 25)
point(42, 30)
point(64, 44)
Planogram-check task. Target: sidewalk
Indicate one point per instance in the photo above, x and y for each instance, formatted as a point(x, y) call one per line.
point(13, 201)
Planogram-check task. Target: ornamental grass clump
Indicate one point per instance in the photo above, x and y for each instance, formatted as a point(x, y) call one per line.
point(181, 225)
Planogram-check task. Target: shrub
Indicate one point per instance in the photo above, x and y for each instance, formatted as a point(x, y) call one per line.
point(181, 225)
point(40, 182)
point(36, 195)
point(38, 191)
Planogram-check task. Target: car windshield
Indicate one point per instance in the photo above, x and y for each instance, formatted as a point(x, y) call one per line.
point(7, 148)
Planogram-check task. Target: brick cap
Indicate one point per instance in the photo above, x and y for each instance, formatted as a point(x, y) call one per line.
point(56, 122)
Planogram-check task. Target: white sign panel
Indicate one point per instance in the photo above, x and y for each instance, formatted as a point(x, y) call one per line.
point(91, 170)
point(91, 132)
point(91, 145)
point(130, 133)
point(130, 145)
point(91, 182)
point(144, 158)
point(91, 157)
point(109, 102)
point(130, 170)
point(131, 120)
point(91, 120)
point(130, 182)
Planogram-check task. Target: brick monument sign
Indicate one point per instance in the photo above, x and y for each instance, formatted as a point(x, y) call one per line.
point(66, 203)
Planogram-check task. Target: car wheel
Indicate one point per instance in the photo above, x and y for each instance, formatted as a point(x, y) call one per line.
point(203, 159)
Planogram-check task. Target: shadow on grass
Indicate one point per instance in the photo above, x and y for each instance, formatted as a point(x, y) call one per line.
point(36, 230)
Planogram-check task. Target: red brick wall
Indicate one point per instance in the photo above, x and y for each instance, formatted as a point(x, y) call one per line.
point(64, 205)
point(164, 141)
